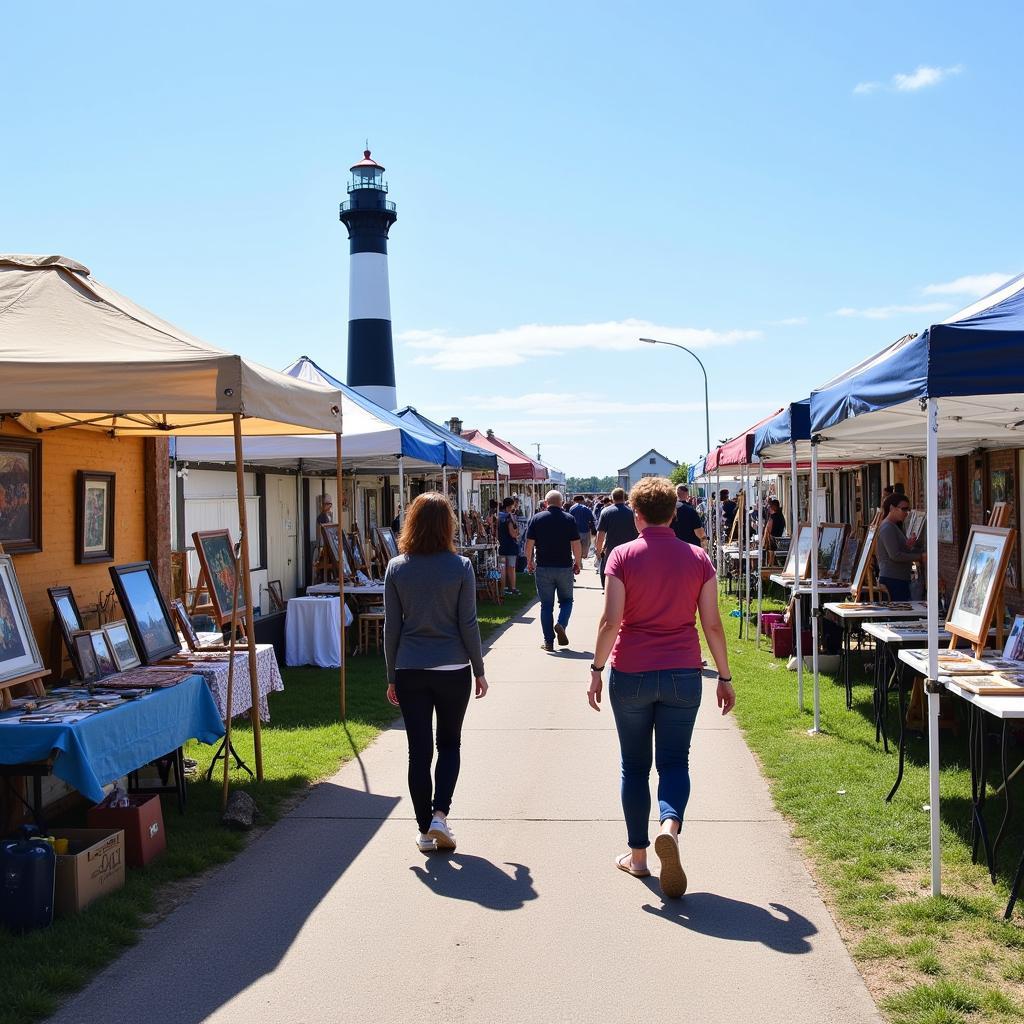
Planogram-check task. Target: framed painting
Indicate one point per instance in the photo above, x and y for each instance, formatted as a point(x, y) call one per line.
point(333, 541)
point(184, 624)
point(848, 562)
point(830, 547)
point(978, 582)
point(386, 539)
point(145, 611)
point(799, 553)
point(863, 570)
point(105, 664)
point(21, 495)
point(945, 524)
point(359, 561)
point(1015, 641)
point(88, 670)
point(19, 655)
point(122, 647)
point(217, 560)
point(1000, 485)
point(276, 593)
point(915, 524)
point(94, 517)
point(69, 619)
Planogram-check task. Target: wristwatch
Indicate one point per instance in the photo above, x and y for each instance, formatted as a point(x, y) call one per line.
point(594, 668)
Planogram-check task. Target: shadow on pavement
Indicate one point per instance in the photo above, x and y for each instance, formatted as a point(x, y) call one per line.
point(462, 877)
point(785, 931)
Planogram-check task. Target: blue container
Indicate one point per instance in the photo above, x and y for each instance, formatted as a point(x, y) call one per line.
point(27, 871)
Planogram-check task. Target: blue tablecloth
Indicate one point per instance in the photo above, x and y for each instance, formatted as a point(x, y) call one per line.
point(108, 745)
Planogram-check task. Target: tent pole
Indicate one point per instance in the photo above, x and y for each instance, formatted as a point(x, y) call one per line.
point(718, 521)
point(760, 546)
point(250, 631)
point(814, 586)
point(932, 544)
point(444, 480)
point(341, 587)
point(401, 491)
point(744, 537)
point(794, 539)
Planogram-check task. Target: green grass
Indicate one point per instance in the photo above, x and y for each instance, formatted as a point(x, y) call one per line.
point(304, 741)
point(926, 960)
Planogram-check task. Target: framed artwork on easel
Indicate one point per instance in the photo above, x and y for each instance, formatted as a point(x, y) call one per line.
point(798, 561)
point(979, 584)
point(220, 568)
point(863, 574)
point(848, 563)
point(359, 562)
point(388, 544)
point(737, 520)
point(20, 659)
point(830, 547)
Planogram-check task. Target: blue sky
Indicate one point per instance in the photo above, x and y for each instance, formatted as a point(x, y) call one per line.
point(787, 186)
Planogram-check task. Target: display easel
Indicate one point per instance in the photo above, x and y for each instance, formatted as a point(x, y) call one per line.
point(867, 558)
point(741, 511)
point(999, 516)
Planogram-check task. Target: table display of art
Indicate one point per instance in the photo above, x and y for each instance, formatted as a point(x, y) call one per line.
point(213, 667)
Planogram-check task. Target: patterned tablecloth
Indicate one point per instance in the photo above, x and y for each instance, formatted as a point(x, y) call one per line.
point(268, 678)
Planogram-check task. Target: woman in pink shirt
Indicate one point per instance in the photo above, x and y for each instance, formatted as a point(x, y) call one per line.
point(655, 587)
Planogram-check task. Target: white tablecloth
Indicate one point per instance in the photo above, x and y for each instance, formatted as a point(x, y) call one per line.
point(312, 628)
point(268, 680)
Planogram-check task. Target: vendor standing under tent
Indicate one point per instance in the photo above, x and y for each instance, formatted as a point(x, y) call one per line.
point(895, 552)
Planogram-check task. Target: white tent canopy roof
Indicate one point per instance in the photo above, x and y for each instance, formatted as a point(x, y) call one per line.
point(74, 352)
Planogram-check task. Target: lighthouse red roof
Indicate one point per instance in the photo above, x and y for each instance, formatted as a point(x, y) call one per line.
point(367, 161)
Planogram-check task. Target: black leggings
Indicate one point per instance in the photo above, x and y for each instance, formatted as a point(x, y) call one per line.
point(420, 693)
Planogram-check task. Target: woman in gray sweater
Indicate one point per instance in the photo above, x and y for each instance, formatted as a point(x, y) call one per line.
point(896, 552)
point(432, 653)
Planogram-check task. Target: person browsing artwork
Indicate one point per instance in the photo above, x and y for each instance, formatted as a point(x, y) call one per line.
point(432, 654)
point(508, 544)
point(553, 548)
point(656, 587)
point(687, 524)
point(895, 552)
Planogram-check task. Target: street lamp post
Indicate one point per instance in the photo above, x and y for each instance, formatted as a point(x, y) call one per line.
point(707, 412)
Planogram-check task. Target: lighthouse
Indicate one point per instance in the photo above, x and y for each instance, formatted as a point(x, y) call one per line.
point(368, 216)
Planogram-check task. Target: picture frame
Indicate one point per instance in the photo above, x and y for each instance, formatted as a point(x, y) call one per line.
point(799, 557)
point(863, 570)
point(94, 517)
point(145, 610)
point(830, 547)
point(945, 522)
point(1014, 649)
point(68, 619)
point(21, 481)
point(979, 582)
point(184, 624)
point(88, 670)
point(219, 567)
point(848, 562)
point(359, 561)
point(105, 664)
point(333, 541)
point(19, 653)
point(915, 524)
point(388, 544)
point(276, 593)
point(122, 647)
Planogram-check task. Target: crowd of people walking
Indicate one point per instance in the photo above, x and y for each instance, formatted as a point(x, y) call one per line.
point(657, 582)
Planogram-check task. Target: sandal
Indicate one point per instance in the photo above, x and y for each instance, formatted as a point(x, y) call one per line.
point(672, 876)
point(622, 863)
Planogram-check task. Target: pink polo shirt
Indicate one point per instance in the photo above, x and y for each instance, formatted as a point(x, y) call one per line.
point(663, 577)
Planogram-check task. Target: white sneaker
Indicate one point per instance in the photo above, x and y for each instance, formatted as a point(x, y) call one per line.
point(425, 843)
point(442, 834)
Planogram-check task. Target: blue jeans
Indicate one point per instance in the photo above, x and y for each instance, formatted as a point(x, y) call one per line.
point(899, 590)
point(550, 581)
point(659, 706)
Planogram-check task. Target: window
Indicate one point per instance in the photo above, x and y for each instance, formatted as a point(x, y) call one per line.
point(653, 462)
point(648, 474)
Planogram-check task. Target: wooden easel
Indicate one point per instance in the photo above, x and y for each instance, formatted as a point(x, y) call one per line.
point(741, 511)
point(869, 570)
point(999, 516)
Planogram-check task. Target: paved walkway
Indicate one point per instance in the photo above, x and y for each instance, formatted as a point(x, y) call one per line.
point(334, 915)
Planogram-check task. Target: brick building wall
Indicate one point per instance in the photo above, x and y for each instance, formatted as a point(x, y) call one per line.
point(64, 452)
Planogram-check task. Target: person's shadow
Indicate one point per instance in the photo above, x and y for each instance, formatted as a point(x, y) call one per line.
point(785, 931)
point(462, 877)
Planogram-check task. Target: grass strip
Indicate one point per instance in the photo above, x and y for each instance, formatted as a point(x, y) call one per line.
point(303, 743)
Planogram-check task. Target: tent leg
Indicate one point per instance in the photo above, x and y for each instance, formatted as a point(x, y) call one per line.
point(718, 522)
point(794, 539)
point(932, 542)
point(760, 547)
point(401, 491)
point(814, 587)
point(243, 529)
point(341, 591)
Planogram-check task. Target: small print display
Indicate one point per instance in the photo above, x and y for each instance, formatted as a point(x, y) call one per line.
point(122, 647)
point(88, 670)
point(19, 655)
point(914, 525)
point(21, 495)
point(981, 572)
point(1014, 649)
point(94, 517)
point(799, 553)
point(830, 547)
point(101, 649)
point(945, 522)
point(184, 622)
point(146, 611)
point(217, 558)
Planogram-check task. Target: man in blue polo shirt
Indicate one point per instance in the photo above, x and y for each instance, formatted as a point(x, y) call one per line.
point(554, 538)
point(584, 523)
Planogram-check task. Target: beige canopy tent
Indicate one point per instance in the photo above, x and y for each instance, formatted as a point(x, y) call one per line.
point(75, 353)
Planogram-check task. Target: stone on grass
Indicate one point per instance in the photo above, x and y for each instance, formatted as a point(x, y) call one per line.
point(241, 811)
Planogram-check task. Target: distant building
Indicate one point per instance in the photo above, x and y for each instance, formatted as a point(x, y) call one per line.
point(651, 463)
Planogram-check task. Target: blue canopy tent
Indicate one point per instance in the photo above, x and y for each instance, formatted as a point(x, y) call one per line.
point(458, 451)
point(958, 385)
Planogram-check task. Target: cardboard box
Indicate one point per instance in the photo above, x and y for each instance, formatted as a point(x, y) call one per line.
point(93, 867)
point(143, 825)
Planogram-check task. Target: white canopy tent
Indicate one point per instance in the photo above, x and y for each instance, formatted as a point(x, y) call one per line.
point(75, 353)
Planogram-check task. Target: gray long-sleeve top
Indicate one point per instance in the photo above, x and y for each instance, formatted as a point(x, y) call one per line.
point(895, 556)
point(430, 613)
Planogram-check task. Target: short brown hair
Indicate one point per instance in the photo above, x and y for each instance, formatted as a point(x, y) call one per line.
point(654, 498)
point(618, 495)
point(429, 526)
point(893, 499)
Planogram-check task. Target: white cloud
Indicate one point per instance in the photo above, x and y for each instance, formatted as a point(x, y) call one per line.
point(922, 77)
point(887, 312)
point(789, 321)
point(516, 345)
point(973, 285)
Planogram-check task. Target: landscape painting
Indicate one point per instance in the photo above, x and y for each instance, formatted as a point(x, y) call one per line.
point(217, 558)
point(145, 610)
point(981, 572)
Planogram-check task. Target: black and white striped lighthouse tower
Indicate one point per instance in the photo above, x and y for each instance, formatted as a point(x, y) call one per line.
point(368, 216)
